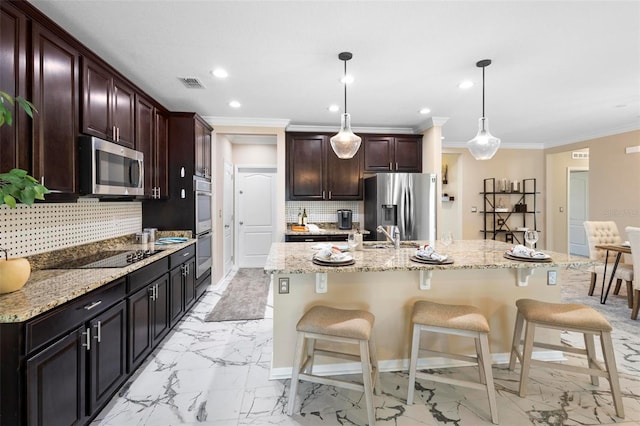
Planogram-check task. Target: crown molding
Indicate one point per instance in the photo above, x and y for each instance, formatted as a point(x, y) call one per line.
point(588, 136)
point(502, 145)
point(331, 129)
point(429, 123)
point(246, 122)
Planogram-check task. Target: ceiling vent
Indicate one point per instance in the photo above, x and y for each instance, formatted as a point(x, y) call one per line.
point(191, 82)
point(580, 155)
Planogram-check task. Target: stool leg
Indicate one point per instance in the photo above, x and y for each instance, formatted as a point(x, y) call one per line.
point(483, 377)
point(377, 386)
point(630, 294)
point(591, 356)
point(486, 366)
point(366, 377)
point(311, 347)
point(297, 360)
point(413, 363)
point(527, 348)
point(515, 345)
point(618, 285)
point(592, 285)
point(610, 361)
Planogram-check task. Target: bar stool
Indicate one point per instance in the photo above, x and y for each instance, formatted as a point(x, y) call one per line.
point(565, 316)
point(341, 326)
point(457, 320)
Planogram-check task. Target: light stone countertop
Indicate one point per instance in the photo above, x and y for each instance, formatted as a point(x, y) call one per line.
point(48, 288)
point(295, 258)
point(328, 228)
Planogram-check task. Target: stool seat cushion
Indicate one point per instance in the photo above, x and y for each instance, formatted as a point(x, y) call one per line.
point(349, 323)
point(460, 317)
point(563, 314)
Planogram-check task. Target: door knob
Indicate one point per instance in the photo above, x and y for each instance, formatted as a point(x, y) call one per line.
point(241, 223)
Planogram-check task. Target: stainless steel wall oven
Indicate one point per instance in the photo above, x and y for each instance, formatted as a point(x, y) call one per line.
point(203, 196)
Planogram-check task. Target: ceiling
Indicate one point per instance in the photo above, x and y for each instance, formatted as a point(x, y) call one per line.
point(562, 71)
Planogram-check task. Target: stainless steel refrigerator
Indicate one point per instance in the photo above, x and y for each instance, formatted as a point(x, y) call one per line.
point(403, 200)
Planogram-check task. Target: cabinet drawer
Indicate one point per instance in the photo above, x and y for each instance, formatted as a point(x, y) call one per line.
point(47, 327)
point(143, 276)
point(179, 257)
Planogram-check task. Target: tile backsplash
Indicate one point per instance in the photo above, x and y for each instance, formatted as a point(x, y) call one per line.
point(323, 211)
point(29, 230)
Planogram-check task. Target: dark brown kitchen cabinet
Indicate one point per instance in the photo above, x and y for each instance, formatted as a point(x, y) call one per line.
point(202, 148)
point(107, 105)
point(384, 153)
point(16, 139)
point(189, 145)
point(182, 282)
point(160, 169)
point(145, 140)
point(55, 127)
point(315, 173)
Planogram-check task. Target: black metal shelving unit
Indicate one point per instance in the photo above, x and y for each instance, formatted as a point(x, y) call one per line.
point(499, 225)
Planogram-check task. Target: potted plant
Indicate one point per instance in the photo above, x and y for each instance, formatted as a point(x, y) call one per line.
point(16, 186)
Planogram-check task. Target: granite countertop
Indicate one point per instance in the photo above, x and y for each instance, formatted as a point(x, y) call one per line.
point(48, 288)
point(295, 258)
point(328, 228)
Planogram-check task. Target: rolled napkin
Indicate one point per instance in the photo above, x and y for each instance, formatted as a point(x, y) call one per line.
point(331, 254)
point(428, 252)
point(522, 251)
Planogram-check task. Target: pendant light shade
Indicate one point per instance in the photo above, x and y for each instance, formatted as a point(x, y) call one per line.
point(345, 143)
point(484, 146)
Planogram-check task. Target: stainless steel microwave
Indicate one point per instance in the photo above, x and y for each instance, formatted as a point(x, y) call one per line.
point(109, 169)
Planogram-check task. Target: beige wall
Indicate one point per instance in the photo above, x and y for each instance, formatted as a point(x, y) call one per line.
point(614, 182)
point(512, 164)
point(263, 154)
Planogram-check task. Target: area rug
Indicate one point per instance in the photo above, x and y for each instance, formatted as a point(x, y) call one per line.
point(245, 298)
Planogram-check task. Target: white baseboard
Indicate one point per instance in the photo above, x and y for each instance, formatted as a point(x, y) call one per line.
point(403, 364)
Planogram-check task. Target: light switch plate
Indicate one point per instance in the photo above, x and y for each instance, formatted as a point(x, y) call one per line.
point(552, 277)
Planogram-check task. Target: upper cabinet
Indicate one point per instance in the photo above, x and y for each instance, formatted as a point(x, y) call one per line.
point(107, 105)
point(202, 149)
point(152, 136)
point(315, 173)
point(55, 126)
point(383, 153)
point(15, 146)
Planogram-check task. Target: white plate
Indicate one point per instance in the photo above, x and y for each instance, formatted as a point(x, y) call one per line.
point(346, 258)
point(546, 256)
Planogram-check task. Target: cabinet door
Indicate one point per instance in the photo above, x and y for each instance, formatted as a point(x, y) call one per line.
point(55, 95)
point(206, 153)
point(161, 154)
point(139, 323)
point(107, 357)
point(176, 294)
point(160, 310)
point(408, 154)
point(123, 113)
point(56, 383)
point(344, 177)
point(189, 283)
point(200, 133)
point(144, 141)
point(15, 146)
point(306, 167)
point(378, 153)
point(96, 101)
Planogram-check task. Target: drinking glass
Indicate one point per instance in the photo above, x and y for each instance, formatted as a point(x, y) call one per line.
point(447, 238)
point(531, 237)
point(352, 242)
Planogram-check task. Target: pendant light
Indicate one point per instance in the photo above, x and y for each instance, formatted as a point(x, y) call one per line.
point(345, 143)
point(484, 146)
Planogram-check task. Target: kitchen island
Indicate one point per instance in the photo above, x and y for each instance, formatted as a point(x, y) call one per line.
point(386, 282)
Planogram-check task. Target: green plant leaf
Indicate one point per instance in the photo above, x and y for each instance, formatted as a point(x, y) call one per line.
point(10, 201)
point(27, 106)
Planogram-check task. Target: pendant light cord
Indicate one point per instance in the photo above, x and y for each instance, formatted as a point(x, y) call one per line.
point(345, 87)
point(483, 91)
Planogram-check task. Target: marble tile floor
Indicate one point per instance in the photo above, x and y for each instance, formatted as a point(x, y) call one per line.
point(208, 373)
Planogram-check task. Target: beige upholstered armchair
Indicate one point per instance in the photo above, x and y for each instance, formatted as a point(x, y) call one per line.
point(606, 232)
point(634, 238)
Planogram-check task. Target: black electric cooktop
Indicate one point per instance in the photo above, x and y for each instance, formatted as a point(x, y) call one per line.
point(107, 259)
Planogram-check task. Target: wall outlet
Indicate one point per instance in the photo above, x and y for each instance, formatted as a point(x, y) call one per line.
point(552, 277)
point(474, 209)
point(283, 285)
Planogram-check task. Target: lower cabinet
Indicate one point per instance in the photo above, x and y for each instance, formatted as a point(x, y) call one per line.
point(72, 378)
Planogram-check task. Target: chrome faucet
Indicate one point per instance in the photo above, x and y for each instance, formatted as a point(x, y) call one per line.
point(396, 236)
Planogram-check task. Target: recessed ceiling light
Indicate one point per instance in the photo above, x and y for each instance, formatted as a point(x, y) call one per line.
point(234, 104)
point(347, 79)
point(220, 73)
point(466, 84)
point(441, 138)
point(334, 108)
point(425, 111)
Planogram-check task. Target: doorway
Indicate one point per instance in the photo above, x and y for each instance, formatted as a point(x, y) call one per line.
point(255, 212)
point(578, 210)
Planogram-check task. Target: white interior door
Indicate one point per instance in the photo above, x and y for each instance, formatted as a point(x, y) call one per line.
point(578, 211)
point(227, 218)
point(255, 214)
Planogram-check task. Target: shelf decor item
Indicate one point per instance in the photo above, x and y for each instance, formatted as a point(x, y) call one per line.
point(345, 143)
point(484, 146)
point(14, 273)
